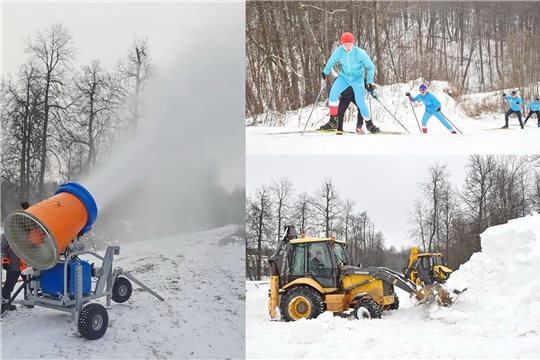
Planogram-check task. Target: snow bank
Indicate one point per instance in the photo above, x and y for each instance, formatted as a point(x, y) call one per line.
point(503, 296)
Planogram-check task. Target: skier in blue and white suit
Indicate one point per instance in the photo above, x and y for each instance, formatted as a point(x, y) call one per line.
point(515, 108)
point(353, 60)
point(535, 109)
point(433, 108)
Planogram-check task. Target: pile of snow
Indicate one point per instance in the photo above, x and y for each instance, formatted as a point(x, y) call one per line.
point(503, 295)
point(498, 316)
point(201, 277)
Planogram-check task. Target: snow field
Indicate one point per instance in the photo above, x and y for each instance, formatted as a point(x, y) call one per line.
point(475, 137)
point(202, 317)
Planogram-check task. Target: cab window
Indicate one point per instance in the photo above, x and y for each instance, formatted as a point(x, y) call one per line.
point(298, 260)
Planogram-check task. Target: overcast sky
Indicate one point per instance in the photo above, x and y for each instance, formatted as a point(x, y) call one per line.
point(197, 49)
point(383, 185)
point(105, 30)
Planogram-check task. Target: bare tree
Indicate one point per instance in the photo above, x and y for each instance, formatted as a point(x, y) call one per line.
point(282, 191)
point(135, 71)
point(302, 213)
point(258, 227)
point(328, 206)
point(95, 100)
point(52, 50)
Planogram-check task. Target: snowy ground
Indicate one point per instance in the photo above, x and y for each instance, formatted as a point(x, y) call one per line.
point(201, 277)
point(497, 317)
point(478, 134)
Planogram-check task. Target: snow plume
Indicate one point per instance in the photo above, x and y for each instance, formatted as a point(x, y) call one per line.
point(189, 147)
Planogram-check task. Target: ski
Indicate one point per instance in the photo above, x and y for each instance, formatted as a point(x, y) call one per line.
point(302, 131)
point(499, 129)
point(390, 132)
point(312, 131)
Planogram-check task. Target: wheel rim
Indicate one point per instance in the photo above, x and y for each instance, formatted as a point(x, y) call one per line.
point(122, 290)
point(97, 322)
point(362, 313)
point(299, 308)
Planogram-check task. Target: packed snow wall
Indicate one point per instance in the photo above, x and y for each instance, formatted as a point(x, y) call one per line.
point(503, 295)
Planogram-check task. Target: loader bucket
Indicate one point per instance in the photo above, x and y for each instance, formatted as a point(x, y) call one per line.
point(40, 233)
point(431, 293)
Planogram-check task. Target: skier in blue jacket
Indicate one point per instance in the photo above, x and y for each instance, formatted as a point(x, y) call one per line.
point(433, 108)
point(535, 109)
point(515, 108)
point(353, 60)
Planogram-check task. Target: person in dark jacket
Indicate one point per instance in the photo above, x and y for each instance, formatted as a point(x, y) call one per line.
point(515, 108)
point(12, 265)
point(345, 99)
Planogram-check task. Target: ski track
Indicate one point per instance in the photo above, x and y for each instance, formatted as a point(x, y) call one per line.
point(202, 316)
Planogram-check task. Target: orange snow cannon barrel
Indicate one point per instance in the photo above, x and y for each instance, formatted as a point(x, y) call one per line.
point(39, 234)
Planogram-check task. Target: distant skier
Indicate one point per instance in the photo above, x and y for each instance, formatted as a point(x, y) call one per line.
point(433, 108)
point(352, 60)
point(535, 109)
point(515, 108)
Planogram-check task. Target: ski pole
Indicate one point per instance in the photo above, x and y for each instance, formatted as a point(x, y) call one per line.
point(323, 84)
point(447, 119)
point(374, 95)
point(414, 112)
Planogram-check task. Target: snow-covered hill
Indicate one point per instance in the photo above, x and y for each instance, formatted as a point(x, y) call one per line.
point(201, 277)
point(478, 134)
point(497, 317)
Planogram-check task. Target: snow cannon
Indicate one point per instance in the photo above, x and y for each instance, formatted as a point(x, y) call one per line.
point(39, 234)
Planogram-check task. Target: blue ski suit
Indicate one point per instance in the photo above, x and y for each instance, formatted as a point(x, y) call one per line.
point(514, 103)
point(534, 105)
point(535, 109)
point(515, 108)
point(431, 103)
point(351, 74)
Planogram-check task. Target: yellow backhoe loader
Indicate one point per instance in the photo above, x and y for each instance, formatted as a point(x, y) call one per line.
point(427, 268)
point(313, 275)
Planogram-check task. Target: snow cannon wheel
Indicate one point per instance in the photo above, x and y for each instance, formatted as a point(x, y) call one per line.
point(93, 321)
point(301, 302)
point(367, 309)
point(121, 290)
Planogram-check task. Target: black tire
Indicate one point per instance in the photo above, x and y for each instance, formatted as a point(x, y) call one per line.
point(301, 302)
point(93, 321)
point(121, 290)
point(395, 305)
point(367, 309)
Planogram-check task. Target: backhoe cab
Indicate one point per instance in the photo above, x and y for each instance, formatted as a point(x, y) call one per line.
point(426, 269)
point(313, 275)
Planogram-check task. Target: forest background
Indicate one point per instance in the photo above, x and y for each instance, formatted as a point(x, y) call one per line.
point(476, 46)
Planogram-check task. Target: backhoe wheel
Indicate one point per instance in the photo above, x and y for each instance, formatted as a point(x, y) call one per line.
point(395, 305)
point(93, 321)
point(121, 290)
point(301, 302)
point(367, 309)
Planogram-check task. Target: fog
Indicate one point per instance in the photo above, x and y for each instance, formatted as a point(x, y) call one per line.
point(187, 157)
